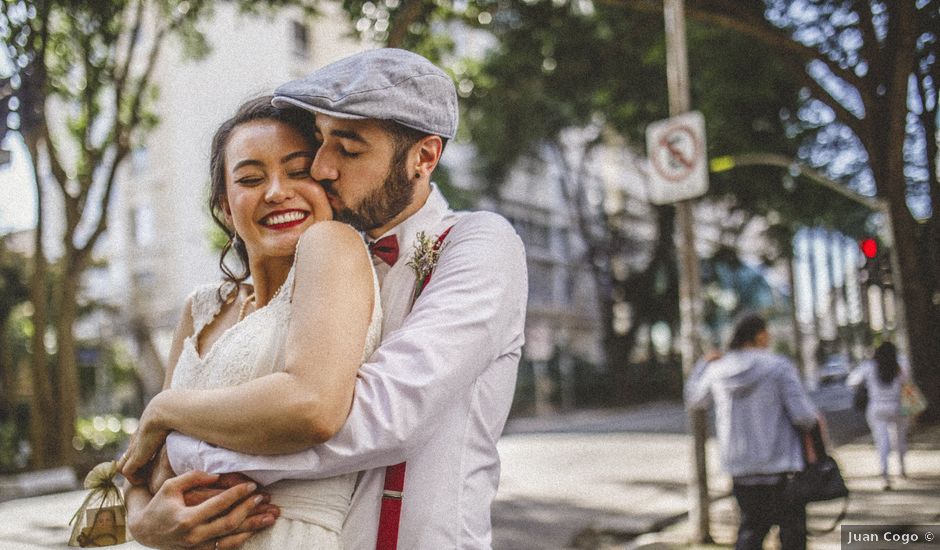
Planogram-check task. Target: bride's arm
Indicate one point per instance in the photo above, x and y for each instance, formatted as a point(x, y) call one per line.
point(308, 402)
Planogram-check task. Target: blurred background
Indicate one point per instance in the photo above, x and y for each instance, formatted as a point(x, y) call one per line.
point(821, 213)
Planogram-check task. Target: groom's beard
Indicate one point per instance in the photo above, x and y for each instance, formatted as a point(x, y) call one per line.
point(382, 204)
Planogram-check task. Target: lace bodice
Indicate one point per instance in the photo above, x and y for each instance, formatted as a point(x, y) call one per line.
point(253, 347)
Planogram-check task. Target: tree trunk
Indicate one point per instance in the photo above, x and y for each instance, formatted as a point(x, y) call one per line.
point(151, 377)
point(788, 259)
point(42, 419)
point(921, 318)
point(7, 373)
point(810, 369)
point(68, 390)
point(920, 313)
point(41, 413)
point(933, 224)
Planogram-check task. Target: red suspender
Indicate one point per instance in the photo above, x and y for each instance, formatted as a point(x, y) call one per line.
point(390, 516)
point(392, 492)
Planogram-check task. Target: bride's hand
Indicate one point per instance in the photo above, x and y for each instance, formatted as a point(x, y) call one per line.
point(147, 440)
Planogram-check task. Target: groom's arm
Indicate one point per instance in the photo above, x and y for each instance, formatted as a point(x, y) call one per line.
point(472, 312)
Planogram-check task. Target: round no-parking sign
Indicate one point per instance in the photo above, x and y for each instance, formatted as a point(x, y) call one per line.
point(678, 166)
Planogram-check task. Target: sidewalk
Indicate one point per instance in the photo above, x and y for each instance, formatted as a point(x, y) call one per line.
point(596, 479)
point(915, 500)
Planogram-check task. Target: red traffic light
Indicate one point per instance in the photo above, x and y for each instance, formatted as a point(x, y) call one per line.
point(869, 247)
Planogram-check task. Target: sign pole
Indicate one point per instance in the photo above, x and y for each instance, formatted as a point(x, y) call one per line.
point(677, 73)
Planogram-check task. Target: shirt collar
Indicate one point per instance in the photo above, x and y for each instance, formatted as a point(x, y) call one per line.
point(425, 219)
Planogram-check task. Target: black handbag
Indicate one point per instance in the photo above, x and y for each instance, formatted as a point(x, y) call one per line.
point(820, 480)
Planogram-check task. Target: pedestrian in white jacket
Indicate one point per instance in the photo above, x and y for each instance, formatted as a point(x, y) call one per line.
point(883, 377)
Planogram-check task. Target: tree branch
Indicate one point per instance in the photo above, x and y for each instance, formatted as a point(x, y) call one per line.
point(83, 252)
point(730, 15)
point(55, 166)
point(122, 131)
point(575, 196)
point(861, 127)
point(871, 50)
point(72, 215)
point(86, 149)
point(120, 76)
point(136, 110)
point(412, 10)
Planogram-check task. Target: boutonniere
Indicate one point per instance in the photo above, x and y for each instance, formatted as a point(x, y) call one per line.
point(426, 254)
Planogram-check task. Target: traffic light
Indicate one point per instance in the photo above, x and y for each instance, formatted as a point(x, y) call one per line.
point(877, 268)
point(869, 248)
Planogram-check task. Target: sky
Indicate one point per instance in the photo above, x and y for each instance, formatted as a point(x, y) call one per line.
point(17, 194)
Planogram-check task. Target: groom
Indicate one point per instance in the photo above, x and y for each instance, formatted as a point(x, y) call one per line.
point(437, 391)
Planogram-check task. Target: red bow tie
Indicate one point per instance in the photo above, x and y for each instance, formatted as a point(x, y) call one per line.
point(385, 249)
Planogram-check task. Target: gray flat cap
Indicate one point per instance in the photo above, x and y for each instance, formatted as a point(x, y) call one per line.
point(386, 84)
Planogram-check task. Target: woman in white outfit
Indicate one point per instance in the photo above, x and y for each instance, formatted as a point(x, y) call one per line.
point(313, 297)
point(883, 377)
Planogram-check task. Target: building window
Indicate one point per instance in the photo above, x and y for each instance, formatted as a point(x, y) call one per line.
point(301, 39)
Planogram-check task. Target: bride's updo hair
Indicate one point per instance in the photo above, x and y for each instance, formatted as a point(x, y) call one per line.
point(252, 110)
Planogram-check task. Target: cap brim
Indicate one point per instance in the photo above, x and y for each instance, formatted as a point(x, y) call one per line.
point(282, 101)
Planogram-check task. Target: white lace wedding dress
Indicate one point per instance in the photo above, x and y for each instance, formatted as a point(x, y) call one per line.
point(312, 512)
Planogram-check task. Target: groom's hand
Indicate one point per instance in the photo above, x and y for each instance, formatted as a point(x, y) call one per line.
point(167, 522)
point(162, 472)
point(256, 518)
point(198, 495)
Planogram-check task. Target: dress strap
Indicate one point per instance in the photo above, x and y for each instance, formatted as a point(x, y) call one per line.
point(207, 302)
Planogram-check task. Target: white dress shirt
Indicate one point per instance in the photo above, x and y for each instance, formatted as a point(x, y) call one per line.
point(436, 393)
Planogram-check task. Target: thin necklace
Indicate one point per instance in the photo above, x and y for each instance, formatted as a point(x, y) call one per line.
point(249, 300)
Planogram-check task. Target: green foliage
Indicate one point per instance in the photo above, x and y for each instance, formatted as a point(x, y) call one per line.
point(553, 70)
point(103, 431)
point(12, 458)
point(549, 67)
point(458, 197)
point(14, 288)
point(217, 237)
point(91, 64)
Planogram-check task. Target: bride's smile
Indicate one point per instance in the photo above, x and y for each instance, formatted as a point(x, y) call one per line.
point(282, 219)
point(270, 197)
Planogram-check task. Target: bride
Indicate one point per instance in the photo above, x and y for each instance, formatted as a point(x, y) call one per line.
point(313, 301)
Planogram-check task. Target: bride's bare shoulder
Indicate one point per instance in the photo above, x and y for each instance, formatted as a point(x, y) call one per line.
point(332, 239)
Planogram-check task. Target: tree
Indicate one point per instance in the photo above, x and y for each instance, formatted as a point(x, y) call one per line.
point(556, 66)
point(866, 72)
point(81, 85)
point(13, 292)
point(875, 66)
